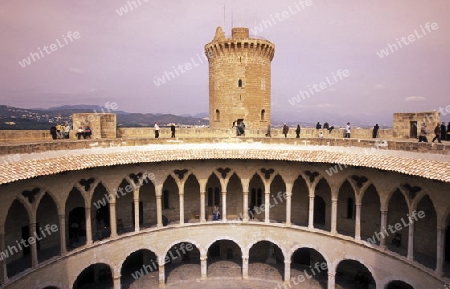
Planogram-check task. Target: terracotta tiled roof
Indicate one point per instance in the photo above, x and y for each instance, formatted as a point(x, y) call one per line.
point(48, 163)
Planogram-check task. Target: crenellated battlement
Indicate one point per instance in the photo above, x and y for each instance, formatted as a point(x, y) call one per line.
point(240, 44)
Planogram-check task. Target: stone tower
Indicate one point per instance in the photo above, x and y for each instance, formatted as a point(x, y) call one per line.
point(239, 79)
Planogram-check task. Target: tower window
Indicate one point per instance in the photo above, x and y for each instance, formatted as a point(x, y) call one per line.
point(240, 83)
point(263, 114)
point(217, 115)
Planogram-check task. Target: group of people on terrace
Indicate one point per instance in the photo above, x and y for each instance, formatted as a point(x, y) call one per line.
point(172, 130)
point(441, 132)
point(84, 133)
point(61, 131)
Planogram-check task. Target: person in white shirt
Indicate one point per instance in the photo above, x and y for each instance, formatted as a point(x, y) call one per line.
point(347, 130)
point(66, 131)
point(156, 130)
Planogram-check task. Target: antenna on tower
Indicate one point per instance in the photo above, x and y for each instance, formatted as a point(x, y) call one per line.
point(232, 17)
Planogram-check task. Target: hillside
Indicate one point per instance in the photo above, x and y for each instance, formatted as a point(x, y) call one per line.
point(13, 118)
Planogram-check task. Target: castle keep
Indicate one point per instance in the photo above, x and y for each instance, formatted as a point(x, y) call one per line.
point(239, 79)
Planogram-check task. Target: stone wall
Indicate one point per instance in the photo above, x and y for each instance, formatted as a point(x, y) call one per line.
point(408, 125)
point(194, 132)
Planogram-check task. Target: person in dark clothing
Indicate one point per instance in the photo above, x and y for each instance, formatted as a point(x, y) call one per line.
point(268, 131)
point(437, 132)
point(318, 125)
point(241, 128)
point(285, 130)
point(236, 125)
point(448, 131)
point(443, 131)
point(87, 132)
point(326, 125)
point(165, 221)
point(53, 132)
point(156, 130)
point(375, 131)
point(297, 131)
point(172, 129)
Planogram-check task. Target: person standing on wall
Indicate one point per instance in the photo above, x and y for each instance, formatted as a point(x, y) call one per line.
point(285, 130)
point(172, 129)
point(443, 131)
point(297, 131)
point(347, 130)
point(156, 130)
point(375, 131)
point(437, 133)
point(423, 133)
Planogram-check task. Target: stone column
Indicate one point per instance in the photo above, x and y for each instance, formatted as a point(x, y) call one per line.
point(87, 212)
point(358, 222)
point(245, 267)
point(137, 227)
point(267, 204)
point(383, 227)
point(112, 218)
point(333, 216)
point(288, 203)
point(34, 256)
point(245, 185)
point(181, 199)
point(4, 273)
point(410, 255)
point(202, 207)
point(331, 279)
point(162, 276)
point(311, 212)
point(245, 206)
point(62, 235)
point(116, 282)
point(204, 266)
point(158, 193)
point(287, 270)
point(440, 251)
point(224, 206)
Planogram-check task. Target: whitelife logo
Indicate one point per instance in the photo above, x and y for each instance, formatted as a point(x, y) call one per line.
point(49, 49)
point(411, 38)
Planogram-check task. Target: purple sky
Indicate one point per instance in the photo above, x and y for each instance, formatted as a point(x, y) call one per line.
point(118, 58)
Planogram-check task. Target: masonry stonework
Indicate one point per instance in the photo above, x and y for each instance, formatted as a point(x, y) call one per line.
point(408, 125)
point(239, 79)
